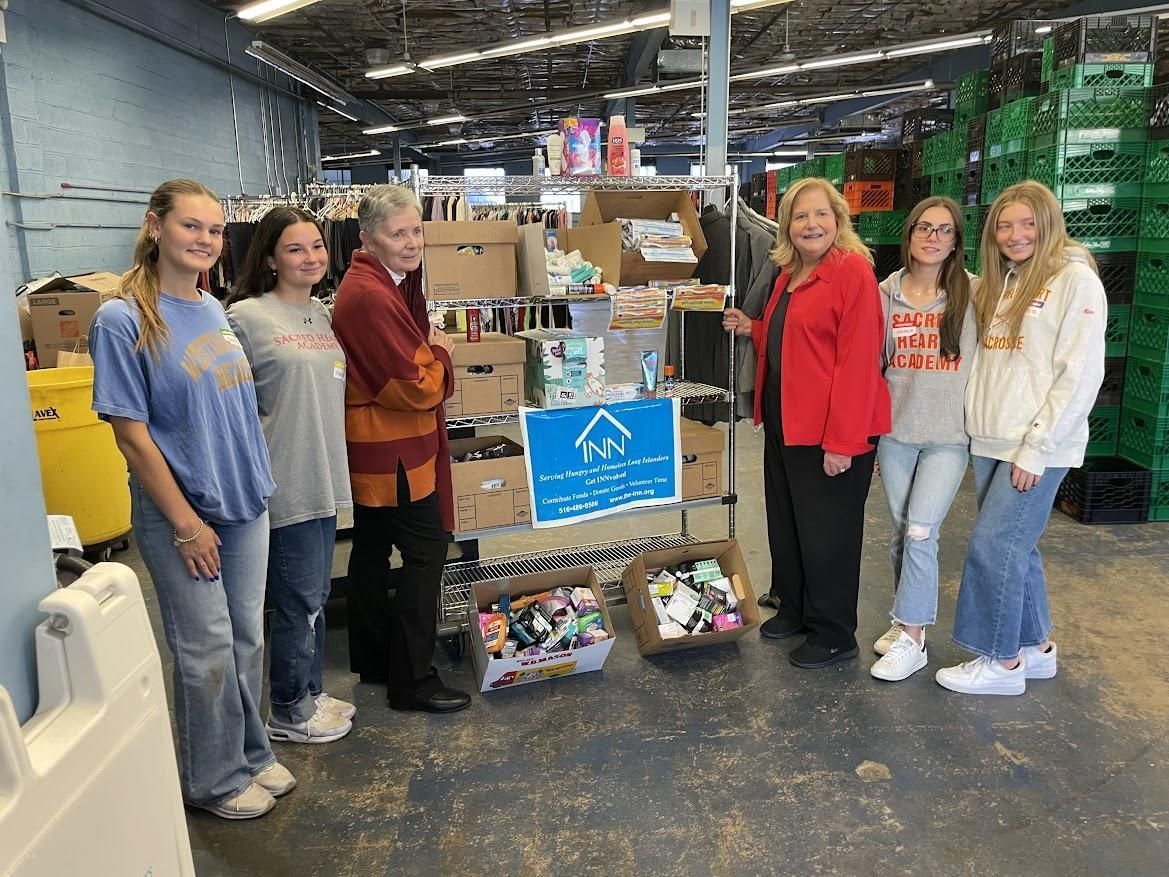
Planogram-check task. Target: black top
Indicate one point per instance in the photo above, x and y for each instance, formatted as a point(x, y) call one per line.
point(775, 339)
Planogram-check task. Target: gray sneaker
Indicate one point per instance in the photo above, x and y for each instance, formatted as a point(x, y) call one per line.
point(253, 801)
point(323, 727)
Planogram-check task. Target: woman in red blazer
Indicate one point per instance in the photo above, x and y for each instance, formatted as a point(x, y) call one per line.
point(822, 400)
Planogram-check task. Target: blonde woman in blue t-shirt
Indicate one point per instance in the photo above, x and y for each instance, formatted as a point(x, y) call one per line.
point(173, 381)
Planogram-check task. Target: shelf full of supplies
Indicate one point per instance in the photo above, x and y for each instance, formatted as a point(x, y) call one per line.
point(608, 559)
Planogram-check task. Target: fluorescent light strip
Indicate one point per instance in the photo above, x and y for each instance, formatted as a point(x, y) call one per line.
point(935, 46)
point(633, 24)
point(368, 154)
point(526, 134)
point(389, 70)
point(446, 120)
point(302, 79)
point(269, 9)
point(337, 111)
point(381, 129)
point(908, 88)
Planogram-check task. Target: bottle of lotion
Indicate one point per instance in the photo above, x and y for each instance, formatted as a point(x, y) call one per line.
point(538, 163)
point(618, 147)
point(555, 144)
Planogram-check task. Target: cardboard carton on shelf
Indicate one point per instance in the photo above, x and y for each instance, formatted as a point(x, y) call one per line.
point(641, 611)
point(598, 234)
point(470, 260)
point(495, 673)
point(61, 309)
point(533, 267)
point(702, 459)
point(564, 369)
point(489, 375)
point(492, 492)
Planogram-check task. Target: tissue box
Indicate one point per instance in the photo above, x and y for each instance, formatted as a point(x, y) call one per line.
point(564, 369)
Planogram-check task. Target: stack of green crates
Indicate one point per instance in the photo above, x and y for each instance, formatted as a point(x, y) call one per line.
point(834, 170)
point(970, 98)
point(1144, 415)
point(944, 162)
point(1007, 141)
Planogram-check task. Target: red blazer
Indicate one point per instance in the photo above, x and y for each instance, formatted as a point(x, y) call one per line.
point(394, 390)
point(833, 392)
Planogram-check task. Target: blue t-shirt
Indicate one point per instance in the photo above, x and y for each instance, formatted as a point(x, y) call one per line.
point(197, 398)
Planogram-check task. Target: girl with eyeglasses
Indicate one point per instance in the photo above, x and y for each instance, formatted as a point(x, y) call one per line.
point(1041, 315)
point(930, 338)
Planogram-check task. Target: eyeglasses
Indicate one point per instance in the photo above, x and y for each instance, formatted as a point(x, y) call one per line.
point(923, 230)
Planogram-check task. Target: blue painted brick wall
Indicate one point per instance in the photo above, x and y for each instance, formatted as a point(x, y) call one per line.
point(91, 102)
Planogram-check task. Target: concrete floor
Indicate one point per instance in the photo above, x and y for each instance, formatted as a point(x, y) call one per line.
point(729, 761)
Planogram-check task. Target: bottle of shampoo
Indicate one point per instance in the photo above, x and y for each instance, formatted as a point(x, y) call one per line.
point(618, 147)
point(555, 144)
point(538, 163)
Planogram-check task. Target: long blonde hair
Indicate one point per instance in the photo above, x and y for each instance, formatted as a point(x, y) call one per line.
point(1051, 240)
point(785, 255)
point(140, 285)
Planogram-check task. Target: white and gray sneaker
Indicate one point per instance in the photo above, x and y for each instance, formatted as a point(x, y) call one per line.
point(887, 639)
point(984, 676)
point(902, 660)
point(323, 727)
point(1039, 665)
point(253, 801)
point(343, 708)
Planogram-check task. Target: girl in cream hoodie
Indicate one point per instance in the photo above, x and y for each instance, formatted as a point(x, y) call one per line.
point(1040, 362)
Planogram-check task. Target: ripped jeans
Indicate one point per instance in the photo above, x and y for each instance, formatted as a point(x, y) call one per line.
point(300, 572)
point(920, 483)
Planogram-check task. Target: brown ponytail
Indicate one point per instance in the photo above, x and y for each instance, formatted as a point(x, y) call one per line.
point(140, 285)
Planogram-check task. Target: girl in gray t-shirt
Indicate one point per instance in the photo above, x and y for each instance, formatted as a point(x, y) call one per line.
point(299, 370)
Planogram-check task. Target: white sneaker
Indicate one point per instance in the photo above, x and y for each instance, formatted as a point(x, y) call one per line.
point(342, 708)
point(983, 676)
point(1037, 664)
point(253, 801)
point(277, 779)
point(882, 646)
point(323, 727)
point(902, 660)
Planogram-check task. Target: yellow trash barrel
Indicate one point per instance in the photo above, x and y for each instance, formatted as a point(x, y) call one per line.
point(82, 471)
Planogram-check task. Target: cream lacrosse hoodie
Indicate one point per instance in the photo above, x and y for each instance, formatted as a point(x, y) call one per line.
point(1029, 394)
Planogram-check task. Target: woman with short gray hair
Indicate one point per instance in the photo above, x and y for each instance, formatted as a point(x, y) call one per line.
point(399, 374)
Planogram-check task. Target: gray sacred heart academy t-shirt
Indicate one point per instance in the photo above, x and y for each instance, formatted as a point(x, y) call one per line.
point(299, 370)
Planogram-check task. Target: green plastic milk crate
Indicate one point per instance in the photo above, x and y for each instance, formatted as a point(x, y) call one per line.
point(1091, 108)
point(1144, 434)
point(1103, 431)
point(1090, 170)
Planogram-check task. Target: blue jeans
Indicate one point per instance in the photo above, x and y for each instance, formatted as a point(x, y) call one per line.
point(300, 572)
point(920, 484)
point(1002, 602)
point(215, 631)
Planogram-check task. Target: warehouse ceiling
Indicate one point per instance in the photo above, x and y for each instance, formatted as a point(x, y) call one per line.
point(337, 37)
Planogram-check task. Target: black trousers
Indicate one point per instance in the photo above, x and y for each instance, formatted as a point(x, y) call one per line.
point(395, 642)
point(815, 525)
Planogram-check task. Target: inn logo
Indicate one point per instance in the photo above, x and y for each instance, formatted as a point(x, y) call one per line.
point(40, 415)
point(604, 438)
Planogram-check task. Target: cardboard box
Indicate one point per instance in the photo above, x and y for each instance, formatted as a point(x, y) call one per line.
point(493, 674)
point(489, 375)
point(62, 309)
point(28, 345)
point(598, 235)
point(489, 493)
point(641, 612)
point(466, 260)
point(702, 459)
point(564, 368)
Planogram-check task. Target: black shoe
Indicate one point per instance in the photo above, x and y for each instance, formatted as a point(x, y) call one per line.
point(769, 600)
point(811, 657)
point(434, 699)
point(780, 628)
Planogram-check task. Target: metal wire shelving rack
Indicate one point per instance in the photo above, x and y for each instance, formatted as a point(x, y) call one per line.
point(609, 559)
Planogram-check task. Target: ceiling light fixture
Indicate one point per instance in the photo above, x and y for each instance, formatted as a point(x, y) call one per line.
point(932, 46)
point(842, 60)
point(521, 45)
point(367, 154)
point(381, 129)
point(488, 139)
point(261, 51)
point(446, 120)
point(388, 70)
point(337, 111)
point(631, 92)
point(269, 9)
point(881, 91)
point(1043, 28)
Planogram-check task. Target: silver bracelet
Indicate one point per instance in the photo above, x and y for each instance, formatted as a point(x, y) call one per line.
point(198, 533)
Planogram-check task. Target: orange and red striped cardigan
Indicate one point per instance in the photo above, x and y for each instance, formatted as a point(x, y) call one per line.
point(395, 387)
